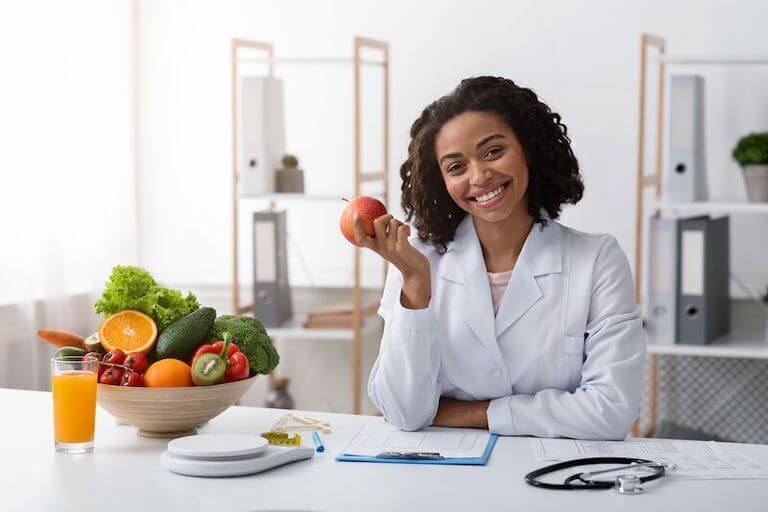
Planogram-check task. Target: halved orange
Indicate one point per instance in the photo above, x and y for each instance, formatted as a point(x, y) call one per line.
point(129, 331)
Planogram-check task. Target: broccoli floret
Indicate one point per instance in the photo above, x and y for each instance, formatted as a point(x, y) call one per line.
point(251, 338)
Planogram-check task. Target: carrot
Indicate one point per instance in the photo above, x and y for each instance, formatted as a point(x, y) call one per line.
point(60, 339)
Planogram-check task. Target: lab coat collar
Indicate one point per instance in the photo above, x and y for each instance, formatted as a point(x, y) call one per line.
point(464, 264)
point(542, 251)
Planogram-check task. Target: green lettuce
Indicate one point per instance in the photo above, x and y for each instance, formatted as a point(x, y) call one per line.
point(130, 287)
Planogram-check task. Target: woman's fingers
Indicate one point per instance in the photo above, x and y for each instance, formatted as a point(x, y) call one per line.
point(360, 236)
point(380, 229)
point(390, 240)
point(403, 232)
point(392, 229)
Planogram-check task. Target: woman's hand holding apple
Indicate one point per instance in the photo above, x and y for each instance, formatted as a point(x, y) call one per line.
point(390, 241)
point(373, 228)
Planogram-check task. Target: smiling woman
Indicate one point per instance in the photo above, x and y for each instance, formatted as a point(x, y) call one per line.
point(497, 316)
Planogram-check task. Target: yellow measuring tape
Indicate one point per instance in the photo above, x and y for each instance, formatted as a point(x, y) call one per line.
point(282, 438)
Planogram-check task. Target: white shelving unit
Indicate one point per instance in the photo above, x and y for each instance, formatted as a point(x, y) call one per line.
point(709, 207)
point(287, 196)
point(746, 339)
point(712, 60)
point(361, 323)
point(295, 330)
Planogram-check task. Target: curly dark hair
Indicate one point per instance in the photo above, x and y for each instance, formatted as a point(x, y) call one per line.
point(554, 177)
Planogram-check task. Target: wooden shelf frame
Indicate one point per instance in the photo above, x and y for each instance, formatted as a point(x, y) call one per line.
point(648, 44)
point(361, 45)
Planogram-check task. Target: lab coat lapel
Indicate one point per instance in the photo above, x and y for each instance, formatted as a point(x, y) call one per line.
point(541, 255)
point(478, 308)
point(465, 265)
point(522, 292)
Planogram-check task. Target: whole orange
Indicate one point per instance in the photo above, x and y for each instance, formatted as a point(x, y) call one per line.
point(168, 373)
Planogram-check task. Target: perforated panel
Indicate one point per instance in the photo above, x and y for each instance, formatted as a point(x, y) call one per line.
point(718, 398)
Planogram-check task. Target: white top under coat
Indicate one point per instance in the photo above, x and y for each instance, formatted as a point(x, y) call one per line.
point(563, 357)
point(498, 282)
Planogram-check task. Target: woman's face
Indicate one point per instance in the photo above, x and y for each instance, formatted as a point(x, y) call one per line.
point(483, 166)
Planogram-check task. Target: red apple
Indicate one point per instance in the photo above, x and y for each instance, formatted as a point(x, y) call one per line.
point(368, 208)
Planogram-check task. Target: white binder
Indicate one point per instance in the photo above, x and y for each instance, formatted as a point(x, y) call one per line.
point(261, 130)
point(661, 322)
point(685, 176)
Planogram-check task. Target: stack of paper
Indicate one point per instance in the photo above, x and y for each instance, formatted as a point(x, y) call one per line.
point(692, 459)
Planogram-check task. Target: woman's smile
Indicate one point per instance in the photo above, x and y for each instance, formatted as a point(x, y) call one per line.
point(489, 196)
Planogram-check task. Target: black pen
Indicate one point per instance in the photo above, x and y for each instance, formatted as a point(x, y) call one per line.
point(410, 455)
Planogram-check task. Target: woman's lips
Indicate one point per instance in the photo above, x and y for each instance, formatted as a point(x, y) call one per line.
point(490, 198)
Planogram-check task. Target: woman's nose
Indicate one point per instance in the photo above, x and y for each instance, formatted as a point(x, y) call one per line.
point(479, 174)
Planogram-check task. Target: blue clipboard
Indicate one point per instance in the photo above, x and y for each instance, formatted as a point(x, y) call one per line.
point(462, 461)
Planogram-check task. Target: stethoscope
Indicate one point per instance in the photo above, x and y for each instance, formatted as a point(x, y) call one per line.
point(623, 483)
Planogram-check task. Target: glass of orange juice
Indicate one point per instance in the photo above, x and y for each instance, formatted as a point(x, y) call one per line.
point(73, 381)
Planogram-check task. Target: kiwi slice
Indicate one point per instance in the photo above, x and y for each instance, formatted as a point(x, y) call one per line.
point(208, 369)
point(92, 343)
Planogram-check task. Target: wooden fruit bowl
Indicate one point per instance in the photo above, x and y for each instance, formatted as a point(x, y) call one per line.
point(170, 412)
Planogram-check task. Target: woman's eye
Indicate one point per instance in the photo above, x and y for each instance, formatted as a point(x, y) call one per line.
point(492, 152)
point(453, 168)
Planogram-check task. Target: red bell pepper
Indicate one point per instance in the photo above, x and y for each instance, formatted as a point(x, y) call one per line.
point(238, 367)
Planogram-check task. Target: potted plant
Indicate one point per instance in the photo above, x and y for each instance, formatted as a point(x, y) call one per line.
point(751, 152)
point(290, 179)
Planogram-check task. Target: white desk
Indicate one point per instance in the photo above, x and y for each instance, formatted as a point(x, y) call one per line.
point(125, 467)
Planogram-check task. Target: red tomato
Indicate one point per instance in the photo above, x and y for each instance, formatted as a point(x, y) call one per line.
point(132, 379)
point(136, 362)
point(116, 356)
point(112, 375)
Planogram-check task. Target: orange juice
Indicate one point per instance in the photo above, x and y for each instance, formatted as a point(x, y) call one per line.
point(74, 405)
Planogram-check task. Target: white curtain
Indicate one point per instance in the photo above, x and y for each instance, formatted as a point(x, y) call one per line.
point(67, 162)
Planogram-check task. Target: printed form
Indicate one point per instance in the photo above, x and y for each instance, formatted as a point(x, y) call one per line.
point(448, 442)
point(692, 459)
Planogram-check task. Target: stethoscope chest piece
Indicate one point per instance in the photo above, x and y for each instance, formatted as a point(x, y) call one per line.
point(628, 484)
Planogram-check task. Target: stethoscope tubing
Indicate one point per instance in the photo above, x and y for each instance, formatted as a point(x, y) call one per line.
point(569, 483)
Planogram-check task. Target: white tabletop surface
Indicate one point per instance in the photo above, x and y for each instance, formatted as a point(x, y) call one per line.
point(124, 473)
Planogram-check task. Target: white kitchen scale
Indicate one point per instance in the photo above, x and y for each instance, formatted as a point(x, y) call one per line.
point(221, 455)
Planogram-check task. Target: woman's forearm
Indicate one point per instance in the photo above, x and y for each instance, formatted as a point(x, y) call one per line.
point(416, 291)
point(456, 413)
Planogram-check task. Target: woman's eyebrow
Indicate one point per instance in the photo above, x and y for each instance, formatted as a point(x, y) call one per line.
point(489, 139)
point(480, 144)
point(449, 155)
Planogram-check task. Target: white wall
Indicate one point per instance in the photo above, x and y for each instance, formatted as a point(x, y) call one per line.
point(581, 58)
point(67, 169)
point(67, 133)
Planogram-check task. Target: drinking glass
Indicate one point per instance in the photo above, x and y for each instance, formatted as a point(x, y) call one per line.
point(73, 382)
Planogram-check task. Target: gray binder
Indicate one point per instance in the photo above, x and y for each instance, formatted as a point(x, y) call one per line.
point(271, 290)
point(661, 321)
point(703, 306)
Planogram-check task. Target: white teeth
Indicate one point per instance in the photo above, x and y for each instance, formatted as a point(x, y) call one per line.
point(490, 195)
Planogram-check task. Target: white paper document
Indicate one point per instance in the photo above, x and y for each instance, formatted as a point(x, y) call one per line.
point(448, 442)
point(692, 459)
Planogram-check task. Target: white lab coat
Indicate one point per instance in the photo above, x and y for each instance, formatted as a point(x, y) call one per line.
point(563, 357)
